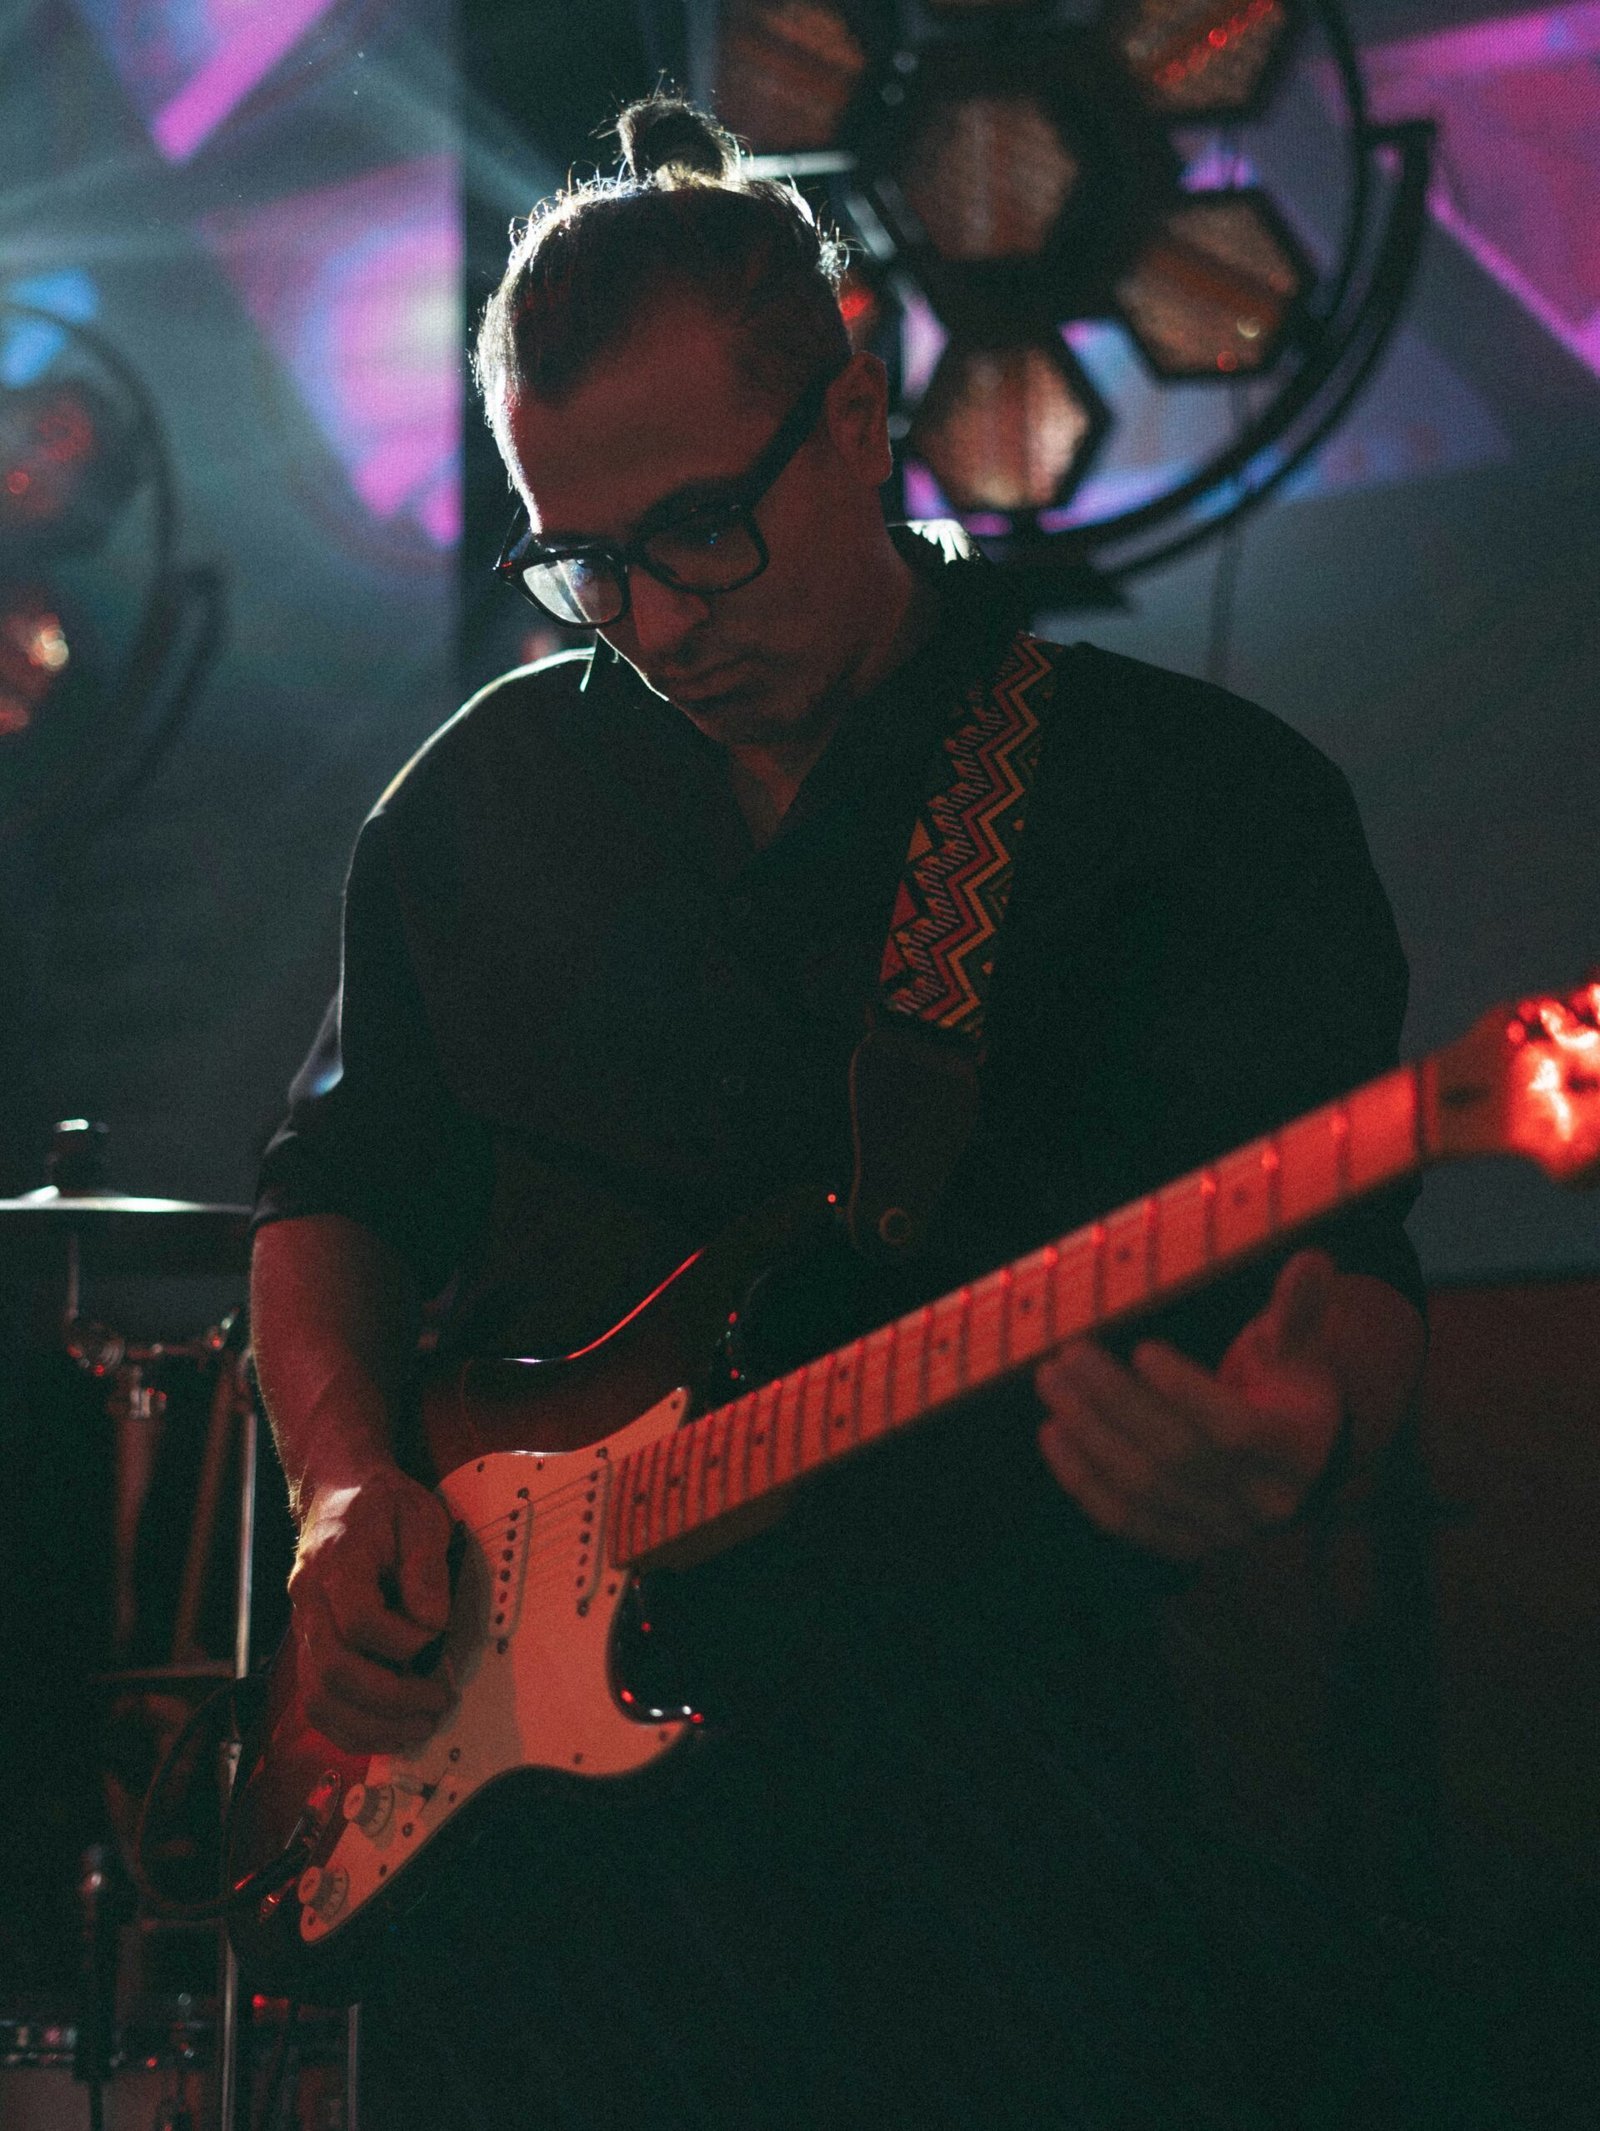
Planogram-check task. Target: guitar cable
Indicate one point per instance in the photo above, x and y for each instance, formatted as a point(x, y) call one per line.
point(170, 1908)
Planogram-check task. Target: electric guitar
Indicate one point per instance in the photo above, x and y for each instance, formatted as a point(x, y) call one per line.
point(566, 1479)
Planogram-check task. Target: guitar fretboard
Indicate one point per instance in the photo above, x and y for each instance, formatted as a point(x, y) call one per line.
point(1143, 1255)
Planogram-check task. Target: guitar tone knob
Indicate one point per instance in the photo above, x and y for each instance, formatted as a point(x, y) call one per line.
point(323, 1892)
point(368, 1806)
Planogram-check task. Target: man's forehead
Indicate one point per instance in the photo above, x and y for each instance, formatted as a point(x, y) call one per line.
point(668, 409)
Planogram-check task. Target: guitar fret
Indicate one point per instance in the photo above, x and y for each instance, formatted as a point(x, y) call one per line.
point(1183, 1241)
point(910, 1361)
point(873, 1388)
point(1073, 1299)
point(697, 1444)
point(1028, 1318)
point(1385, 1126)
point(1309, 1180)
point(1125, 1254)
point(1340, 1126)
point(986, 1327)
point(714, 1489)
point(770, 1403)
point(740, 1416)
point(655, 1509)
point(637, 1505)
point(946, 1377)
point(842, 1414)
point(786, 1425)
point(713, 1427)
point(1243, 1211)
point(812, 1437)
point(1272, 1164)
point(674, 1489)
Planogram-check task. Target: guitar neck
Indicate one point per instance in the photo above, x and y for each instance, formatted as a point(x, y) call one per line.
point(1145, 1254)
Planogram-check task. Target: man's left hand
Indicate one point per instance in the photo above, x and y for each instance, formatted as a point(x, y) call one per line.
point(1184, 1463)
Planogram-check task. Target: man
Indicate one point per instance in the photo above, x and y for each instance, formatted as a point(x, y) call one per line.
point(608, 949)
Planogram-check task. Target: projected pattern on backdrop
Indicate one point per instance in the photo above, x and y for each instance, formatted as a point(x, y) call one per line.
point(1518, 182)
point(187, 64)
point(354, 288)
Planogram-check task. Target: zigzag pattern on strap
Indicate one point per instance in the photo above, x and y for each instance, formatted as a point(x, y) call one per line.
point(953, 893)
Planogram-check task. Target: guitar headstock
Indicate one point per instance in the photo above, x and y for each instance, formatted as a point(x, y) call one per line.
point(1524, 1080)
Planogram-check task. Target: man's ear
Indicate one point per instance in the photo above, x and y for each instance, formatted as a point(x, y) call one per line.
point(858, 419)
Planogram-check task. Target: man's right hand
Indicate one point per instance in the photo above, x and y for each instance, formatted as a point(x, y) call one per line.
point(370, 1588)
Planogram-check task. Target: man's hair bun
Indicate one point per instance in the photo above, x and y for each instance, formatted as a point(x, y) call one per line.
point(665, 134)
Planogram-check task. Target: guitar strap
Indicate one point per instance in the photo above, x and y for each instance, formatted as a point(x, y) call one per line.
point(914, 1074)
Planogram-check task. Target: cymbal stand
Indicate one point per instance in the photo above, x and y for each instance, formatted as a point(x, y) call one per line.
point(137, 1406)
point(229, 2097)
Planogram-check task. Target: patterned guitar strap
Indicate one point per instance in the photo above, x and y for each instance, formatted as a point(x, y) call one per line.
point(914, 1075)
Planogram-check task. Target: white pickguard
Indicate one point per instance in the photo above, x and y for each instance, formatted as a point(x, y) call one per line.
point(528, 1647)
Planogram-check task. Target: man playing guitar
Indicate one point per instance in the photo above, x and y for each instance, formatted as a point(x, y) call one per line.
point(609, 942)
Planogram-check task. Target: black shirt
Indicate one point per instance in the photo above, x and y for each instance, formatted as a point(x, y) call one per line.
point(583, 1023)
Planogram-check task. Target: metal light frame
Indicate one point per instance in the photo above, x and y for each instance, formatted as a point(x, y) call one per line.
point(1347, 319)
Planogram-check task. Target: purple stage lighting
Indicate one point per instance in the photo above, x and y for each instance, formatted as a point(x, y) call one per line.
point(1518, 179)
point(356, 288)
point(187, 63)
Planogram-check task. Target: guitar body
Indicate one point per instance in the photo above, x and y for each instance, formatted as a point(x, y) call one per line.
point(524, 1454)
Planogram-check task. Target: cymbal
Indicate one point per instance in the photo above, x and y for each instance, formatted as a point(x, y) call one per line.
point(117, 1234)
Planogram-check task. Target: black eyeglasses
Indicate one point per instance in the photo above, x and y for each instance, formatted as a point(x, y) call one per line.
point(714, 546)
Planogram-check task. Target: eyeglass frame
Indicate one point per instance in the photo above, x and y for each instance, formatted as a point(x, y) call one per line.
point(739, 498)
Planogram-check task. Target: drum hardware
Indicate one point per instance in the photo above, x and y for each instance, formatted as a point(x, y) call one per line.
point(75, 1227)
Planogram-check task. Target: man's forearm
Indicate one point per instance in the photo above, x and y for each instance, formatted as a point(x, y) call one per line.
point(334, 1318)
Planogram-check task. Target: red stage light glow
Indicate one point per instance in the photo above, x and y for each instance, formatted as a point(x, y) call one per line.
point(67, 467)
point(33, 653)
point(1200, 55)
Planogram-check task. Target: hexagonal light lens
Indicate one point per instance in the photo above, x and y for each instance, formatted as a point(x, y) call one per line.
point(1195, 57)
point(1007, 428)
point(786, 69)
point(987, 176)
point(1211, 292)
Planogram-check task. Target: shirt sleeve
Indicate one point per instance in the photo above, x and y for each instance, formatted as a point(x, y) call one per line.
point(373, 1132)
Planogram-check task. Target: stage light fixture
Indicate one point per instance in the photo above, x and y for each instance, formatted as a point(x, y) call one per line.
point(786, 70)
point(68, 465)
point(33, 655)
point(988, 176)
point(1021, 177)
point(1014, 174)
point(1007, 427)
point(1215, 288)
point(1201, 58)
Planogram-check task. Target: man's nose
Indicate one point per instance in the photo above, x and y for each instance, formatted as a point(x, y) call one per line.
point(660, 616)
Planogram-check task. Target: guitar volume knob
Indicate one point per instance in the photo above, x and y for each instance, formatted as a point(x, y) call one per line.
point(322, 1891)
point(369, 1806)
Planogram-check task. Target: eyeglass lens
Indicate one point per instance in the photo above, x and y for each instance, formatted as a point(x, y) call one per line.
point(707, 551)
